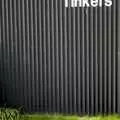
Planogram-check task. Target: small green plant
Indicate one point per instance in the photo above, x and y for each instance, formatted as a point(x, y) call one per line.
point(10, 114)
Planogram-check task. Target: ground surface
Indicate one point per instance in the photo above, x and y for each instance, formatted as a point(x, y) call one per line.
point(13, 114)
point(57, 117)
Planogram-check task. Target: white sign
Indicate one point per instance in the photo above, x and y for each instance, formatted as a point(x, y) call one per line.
point(88, 3)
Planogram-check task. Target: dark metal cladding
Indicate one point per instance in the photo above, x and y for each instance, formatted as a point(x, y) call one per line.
point(57, 59)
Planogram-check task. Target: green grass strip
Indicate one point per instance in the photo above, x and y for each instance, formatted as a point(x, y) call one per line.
point(62, 117)
point(13, 114)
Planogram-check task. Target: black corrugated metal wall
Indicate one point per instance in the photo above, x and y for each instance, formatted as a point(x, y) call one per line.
point(57, 59)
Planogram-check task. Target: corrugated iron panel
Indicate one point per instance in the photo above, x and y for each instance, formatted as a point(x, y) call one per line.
point(57, 59)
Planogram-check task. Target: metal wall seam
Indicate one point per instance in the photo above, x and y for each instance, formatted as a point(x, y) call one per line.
point(74, 58)
point(61, 56)
point(118, 70)
point(16, 48)
point(11, 49)
point(69, 60)
point(3, 46)
point(87, 61)
point(91, 63)
point(96, 57)
point(23, 50)
point(114, 27)
point(49, 54)
point(105, 60)
point(1, 64)
point(40, 57)
point(36, 53)
point(53, 54)
point(8, 59)
point(19, 51)
point(44, 54)
point(109, 60)
point(83, 60)
point(28, 54)
point(57, 58)
point(66, 60)
point(100, 38)
point(78, 61)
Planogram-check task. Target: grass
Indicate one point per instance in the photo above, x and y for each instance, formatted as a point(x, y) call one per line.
point(50, 117)
point(60, 117)
point(12, 114)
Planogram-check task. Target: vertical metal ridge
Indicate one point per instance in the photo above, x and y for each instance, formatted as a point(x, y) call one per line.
point(40, 57)
point(118, 69)
point(1, 59)
point(91, 61)
point(49, 55)
point(57, 57)
point(109, 61)
point(16, 49)
point(0, 23)
point(74, 59)
point(78, 61)
point(8, 60)
point(105, 61)
point(23, 44)
point(69, 61)
point(32, 55)
point(28, 54)
point(87, 62)
point(11, 50)
point(24, 53)
point(96, 57)
point(114, 56)
point(3, 49)
point(36, 53)
point(44, 55)
point(61, 57)
point(66, 61)
point(53, 55)
point(83, 61)
point(20, 51)
point(100, 18)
